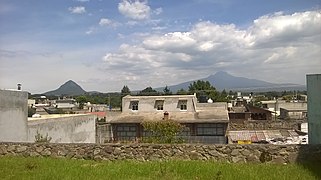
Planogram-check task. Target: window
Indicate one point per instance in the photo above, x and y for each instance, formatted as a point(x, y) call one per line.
point(126, 131)
point(182, 104)
point(134, 105)
point(159, 105)
point(210, 129)
point(185, 132)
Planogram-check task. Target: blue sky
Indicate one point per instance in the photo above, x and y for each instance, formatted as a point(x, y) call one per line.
point(106, 44)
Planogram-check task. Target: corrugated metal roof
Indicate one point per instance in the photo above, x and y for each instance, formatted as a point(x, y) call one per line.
point(260, 135)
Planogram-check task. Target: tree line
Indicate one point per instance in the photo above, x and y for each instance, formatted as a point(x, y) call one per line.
point(204, 90)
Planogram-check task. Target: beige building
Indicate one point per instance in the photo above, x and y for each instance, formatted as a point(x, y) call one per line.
point(293, 113)
point(204, 122)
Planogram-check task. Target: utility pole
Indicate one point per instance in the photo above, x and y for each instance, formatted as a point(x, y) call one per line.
point(109, 102)
point(275, 107)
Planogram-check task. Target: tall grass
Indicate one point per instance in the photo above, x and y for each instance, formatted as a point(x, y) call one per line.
point(50, 168)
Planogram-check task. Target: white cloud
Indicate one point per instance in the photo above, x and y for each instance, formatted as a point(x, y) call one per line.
point(277, 29)
point(90, 30)
point(105, 22)
point(77, 10)
point(134, 10)
point(158, 11)
point(286, 44)
point(82, 0)
point(108, 22)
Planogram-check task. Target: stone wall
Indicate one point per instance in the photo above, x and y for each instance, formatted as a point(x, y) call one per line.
point(265, 125)
point(147, 152)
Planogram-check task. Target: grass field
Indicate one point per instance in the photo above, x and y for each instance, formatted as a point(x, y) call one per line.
point(49, 168)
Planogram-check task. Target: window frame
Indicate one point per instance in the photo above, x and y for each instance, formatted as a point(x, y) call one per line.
point(134, 105)
point(182, 105)
point(210, 129)
point(159, 105)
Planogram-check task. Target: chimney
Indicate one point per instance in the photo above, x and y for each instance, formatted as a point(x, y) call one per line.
point(19, 86)
point(166, 115)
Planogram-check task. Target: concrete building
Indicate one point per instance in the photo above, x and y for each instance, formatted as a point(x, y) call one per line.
point(276, 105)
point(293, 113)
point(314, 108)
point(31, 102)
point(204, 122)
point(96, 107)
point(64, 128)
point(13, 116)
point(239, 114)
point(66, 104)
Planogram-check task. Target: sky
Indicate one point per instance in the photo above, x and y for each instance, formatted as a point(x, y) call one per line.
point(105, 44)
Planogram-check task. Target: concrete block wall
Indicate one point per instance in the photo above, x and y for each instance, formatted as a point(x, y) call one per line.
point(13, 115)
point(64, 128)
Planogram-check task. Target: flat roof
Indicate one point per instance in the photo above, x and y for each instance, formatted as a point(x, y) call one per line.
point(53, 116)
point(294, 108)
point(156, 97)
point(179, 117)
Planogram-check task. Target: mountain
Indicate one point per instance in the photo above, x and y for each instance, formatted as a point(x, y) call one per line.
point(69, 88)
point(223, 80)
point(226, 81)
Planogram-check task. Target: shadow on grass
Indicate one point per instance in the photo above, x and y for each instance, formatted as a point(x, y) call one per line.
point(309, 157)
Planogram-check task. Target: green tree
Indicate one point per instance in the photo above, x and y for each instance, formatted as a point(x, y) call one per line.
point(81, 100)
point(167, 91)
point(203, 89)
point(257, 100)
point(125, 91)
point(164, 131)
point(31, 111)
point(287, 98)
point(149, 91)
point(223, 96)
point(182, 92)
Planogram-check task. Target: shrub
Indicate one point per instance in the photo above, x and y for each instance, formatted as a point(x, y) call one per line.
point(31, 111)
point(39, 138)
point(164, 131)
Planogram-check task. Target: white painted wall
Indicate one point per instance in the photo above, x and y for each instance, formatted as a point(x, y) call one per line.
point(147, 103)
point(13, 116)
point(79, 128)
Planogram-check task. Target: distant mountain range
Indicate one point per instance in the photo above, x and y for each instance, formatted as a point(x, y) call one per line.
point(68, 88)
point(221, 80)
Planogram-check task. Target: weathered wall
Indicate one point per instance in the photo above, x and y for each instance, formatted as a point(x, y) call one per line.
point(146, 152)
point(314, 108)
point(13, 115)
point(64, 128)
point(265, 125)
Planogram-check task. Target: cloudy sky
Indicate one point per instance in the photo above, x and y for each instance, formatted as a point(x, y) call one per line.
point(106, 44)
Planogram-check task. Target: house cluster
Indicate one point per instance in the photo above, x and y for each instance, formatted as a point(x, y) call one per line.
point(204, 122)
point(44, 106)
point(208, 123)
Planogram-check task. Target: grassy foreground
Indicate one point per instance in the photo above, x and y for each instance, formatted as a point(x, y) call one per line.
point(49, 168)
